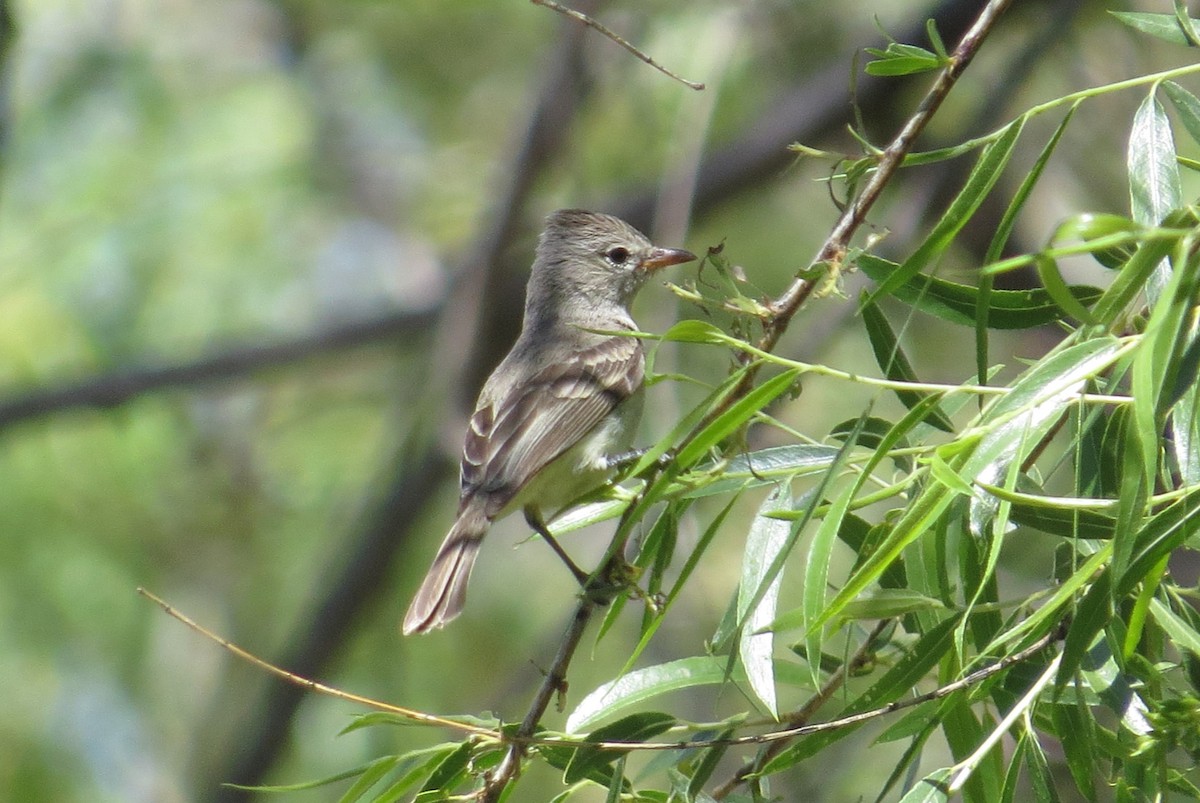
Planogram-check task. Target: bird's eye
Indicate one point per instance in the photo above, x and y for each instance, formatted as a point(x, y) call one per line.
point(617, 255)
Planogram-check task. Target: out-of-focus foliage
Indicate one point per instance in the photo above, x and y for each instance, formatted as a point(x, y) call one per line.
point(184, 177)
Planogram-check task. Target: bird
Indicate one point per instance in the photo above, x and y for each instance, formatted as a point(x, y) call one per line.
point(558, 409)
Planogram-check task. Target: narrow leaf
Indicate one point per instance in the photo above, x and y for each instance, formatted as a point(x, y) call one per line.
point(895, 364)
point(897, 682)
point(635, 728)
point(1153, 173)
point(736, 416)
point(983, 177)
point(959, 303)
point(767, 538)
point(1162, 26)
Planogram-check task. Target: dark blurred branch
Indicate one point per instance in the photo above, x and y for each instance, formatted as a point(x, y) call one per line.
point(120, 386)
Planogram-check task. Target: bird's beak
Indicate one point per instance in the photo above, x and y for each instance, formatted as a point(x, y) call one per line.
point(666, 257)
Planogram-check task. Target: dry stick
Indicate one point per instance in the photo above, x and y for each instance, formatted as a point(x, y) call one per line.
point(591, 23)
point(312, 685)
point(557, 677)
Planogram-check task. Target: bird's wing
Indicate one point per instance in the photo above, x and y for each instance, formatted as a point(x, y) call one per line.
point(512, 437)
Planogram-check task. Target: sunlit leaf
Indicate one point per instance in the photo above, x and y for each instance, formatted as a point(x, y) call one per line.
point(983, 177)
point(764, 543)
point(1154, 189)
point(736, 416)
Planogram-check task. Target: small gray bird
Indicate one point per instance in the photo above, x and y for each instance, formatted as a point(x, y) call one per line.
point(564, 400)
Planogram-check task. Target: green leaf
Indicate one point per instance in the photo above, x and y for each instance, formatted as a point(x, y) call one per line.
point(736, 416)
point(886, 603)
point(588, 760)
point(1164, 369)
point(983, 177)
point(707, 765)
point(693, 331)
point(1186, 105)
point(752, 469)
point(894, 363)
point(1134, 276)
point(416, 765)
point(1154, 190)
point(983, 301)
point(686, 424)
point(641, 685)
point(958, 303)
point(1159, 536)
point(1181, 633)
point(1162, 26)
point(376, 771)
point(816, 574)
point(933, 788)
point(1091, 616)
point(947, 476)
point(618, 780)
point(1058, 289)
point(1016, 418)
point(689, 565)
point(1140, 444)
point(1069, 518)
point(306, 785)
point(756, 609)
point(898, 59)
point(1072, 725)
point(449, 770)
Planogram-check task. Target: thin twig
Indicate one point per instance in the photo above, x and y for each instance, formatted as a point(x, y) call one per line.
point(556, 678)
point(592, 23)
point(312, 685)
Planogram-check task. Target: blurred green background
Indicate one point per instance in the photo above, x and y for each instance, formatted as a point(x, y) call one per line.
point(187, 182)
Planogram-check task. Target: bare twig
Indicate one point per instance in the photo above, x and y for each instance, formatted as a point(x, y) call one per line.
point(592, 23)
point(312, 685)
point(556, 677)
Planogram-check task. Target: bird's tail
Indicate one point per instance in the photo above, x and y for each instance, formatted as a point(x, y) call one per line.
point(444, 589)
